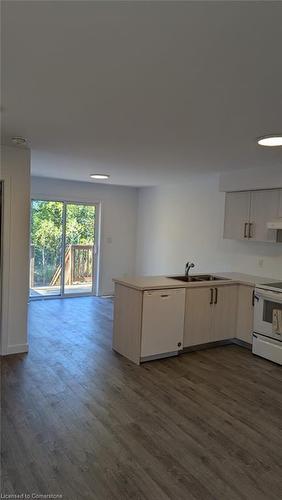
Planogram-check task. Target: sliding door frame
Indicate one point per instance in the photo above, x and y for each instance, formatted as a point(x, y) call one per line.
point(95, 289)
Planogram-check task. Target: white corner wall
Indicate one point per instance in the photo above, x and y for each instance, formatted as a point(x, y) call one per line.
point(15, 172)
point(185, 222)
point(118, 221)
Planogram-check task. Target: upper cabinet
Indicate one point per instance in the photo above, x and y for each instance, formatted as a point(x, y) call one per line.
point(248, 212)
point(237, 215)
point(264, 208)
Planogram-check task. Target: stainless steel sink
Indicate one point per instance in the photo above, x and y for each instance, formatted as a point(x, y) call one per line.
point(184, 278)
point(197, 277)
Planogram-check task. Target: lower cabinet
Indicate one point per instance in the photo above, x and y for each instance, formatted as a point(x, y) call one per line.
point(210, 314)
point(198, 316)
point(224, 313)
point(157, 323)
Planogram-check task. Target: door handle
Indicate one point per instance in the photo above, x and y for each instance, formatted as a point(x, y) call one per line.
point(254, 298)
point(245, 230)
point(216, 295)
point(212, 291)
point(250, 230)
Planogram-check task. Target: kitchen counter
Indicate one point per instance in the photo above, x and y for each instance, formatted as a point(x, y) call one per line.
point(161, 282)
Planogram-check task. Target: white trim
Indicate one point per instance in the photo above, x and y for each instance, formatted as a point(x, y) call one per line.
point(5, 306)
point(16, 349)
point(98, 256)
point(63, 250)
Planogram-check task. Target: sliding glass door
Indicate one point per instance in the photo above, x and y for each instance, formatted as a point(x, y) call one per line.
point(79, 255)
point(62, 252)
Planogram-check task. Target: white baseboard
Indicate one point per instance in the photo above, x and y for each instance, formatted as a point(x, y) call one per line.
point(16, 349)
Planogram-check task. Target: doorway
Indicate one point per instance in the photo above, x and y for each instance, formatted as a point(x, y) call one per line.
point(63, 249)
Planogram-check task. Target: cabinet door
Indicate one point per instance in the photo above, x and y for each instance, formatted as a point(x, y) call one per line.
point(198, 316)
point(237, 214)
point(224, 313)
point(264, 207)
point(245, 315)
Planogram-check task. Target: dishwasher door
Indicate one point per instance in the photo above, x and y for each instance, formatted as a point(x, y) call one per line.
point(162, 322)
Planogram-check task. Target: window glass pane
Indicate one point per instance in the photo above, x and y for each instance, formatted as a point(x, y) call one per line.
point(268, 308)
point(46, 248)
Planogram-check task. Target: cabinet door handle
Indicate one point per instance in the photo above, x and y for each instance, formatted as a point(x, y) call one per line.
point(211, 301)
point(250, 230)
point(216, 295)
point(245, 230)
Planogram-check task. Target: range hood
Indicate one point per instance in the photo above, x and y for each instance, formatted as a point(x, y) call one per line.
point(275, 223)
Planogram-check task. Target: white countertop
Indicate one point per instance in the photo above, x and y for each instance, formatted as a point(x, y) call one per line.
point(159, 282)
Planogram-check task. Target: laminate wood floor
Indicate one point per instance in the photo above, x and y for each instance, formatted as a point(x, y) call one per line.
point(80, 421)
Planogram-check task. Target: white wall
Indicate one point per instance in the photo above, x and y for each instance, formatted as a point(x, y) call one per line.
point(118, 221)
point(185, 222)
point(15, 171)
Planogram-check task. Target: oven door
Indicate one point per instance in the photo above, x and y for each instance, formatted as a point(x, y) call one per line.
point(268, 313)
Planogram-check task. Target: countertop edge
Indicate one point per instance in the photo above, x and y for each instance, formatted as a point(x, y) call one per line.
point(176, 284)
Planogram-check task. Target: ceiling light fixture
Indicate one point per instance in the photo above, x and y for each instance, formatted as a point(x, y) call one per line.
point(100, 177)
point(19, 141)
point(270, 140)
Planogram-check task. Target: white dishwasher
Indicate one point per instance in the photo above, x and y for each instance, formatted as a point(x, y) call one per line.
point(162, 322)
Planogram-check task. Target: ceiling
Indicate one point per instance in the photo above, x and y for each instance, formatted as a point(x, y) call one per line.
point(144, 91)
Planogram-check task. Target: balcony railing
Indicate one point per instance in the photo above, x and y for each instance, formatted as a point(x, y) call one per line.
point(78, 264)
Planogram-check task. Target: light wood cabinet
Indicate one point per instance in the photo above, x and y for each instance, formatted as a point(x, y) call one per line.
point(198, 316)
point(152, 323)
point(245, 316)
point(247, 214)
point(264, 207)
point(237, 215)
point(127, 322)
point(224, 313)
point(210, 314)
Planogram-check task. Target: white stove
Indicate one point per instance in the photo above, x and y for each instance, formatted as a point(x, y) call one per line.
point(275, 287)
point(267, 336)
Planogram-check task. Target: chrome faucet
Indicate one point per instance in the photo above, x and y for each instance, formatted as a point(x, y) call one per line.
point(189, 265)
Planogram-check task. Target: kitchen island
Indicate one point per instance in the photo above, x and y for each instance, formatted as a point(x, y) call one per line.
point(159, 316)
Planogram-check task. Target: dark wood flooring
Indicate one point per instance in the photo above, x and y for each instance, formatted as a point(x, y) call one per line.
point(81, 421)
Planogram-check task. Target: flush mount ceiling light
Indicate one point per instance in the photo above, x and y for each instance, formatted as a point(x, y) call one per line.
point(100, 177)
point(19, 141)
point(270, 140)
